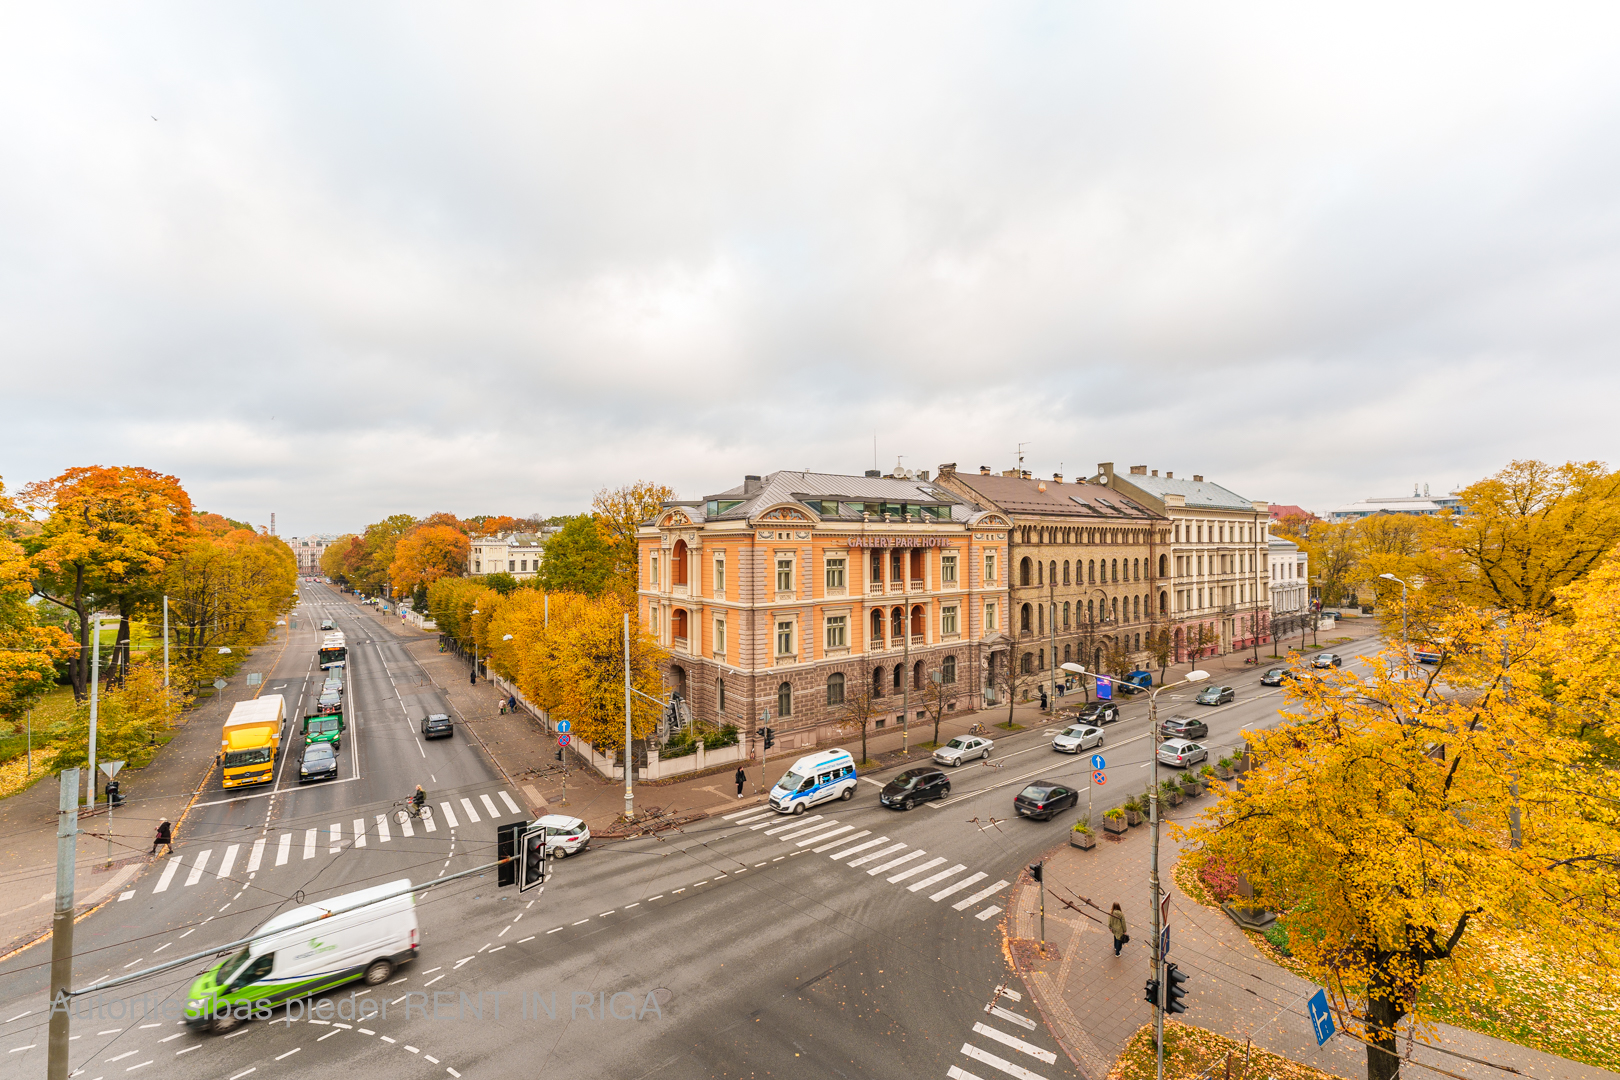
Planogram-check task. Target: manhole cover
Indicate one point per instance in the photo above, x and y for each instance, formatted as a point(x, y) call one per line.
point(661, 996)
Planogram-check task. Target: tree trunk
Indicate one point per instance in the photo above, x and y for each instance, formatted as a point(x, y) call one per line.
point(1383, 1013)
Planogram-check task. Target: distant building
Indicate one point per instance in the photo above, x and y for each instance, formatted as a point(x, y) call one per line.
point(518, 554)
point(1416, 503)
point(1280, 511)
point(309, 550)
point(1289, 582)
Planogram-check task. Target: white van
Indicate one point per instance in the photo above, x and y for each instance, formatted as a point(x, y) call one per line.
point(363, 935)
point(814, 779)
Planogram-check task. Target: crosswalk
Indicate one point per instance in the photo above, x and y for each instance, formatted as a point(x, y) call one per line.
point(1005, 1042)
point(877, 857)
point(199, 866)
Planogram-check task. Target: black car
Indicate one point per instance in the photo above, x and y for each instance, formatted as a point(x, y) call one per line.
point(1099, 713)
point(1183, 727)
point(1275, 676)
point(330, 701)
point(1327, 659)
point(914, 786)
point(1043, 800)
point(320, 763)
point(438, 726)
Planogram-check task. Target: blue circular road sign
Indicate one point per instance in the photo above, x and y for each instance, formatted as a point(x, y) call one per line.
point(1097, 762)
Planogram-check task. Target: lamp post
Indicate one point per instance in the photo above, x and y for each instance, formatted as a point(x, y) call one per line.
point(1406, 656)
point(472, 677)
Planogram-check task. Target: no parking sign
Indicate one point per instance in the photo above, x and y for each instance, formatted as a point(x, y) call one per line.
point(1099, 777)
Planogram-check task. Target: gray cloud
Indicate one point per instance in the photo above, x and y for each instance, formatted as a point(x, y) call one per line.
point(406, 257)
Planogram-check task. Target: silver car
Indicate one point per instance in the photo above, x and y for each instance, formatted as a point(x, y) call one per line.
point(1077, 738)
point(963, 747)
point(1181, 752)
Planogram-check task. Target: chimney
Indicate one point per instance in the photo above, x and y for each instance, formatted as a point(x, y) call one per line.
point(1057, 478)
point(984, 470)
point(1009, 472)
point(922, 474)
point(751, 484)
point(1140, 470)
point(1168, 475)
point(948, 469)
point(1155, 472)
point(1197, 479)
point(1105, 469)
point(874, 474)
point(1027, 475)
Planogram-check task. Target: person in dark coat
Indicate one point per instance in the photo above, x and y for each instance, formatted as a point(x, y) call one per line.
point(742, 778)
point(1043, 697)
point(164, 838)
point(1116, 924)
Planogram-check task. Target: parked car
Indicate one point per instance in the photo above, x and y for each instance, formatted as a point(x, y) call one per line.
point(565, 835)
point(1183, 727)
point(1099, 712)
point(1137, 681)
point(1077, 738)
point(1215, 695)
point(1327, 659)
point(438, 726)
point(914, 786)
point(1275, 676)
point(1044, 800)
point(1181, 752)
point(963, 747)
point(319, 762)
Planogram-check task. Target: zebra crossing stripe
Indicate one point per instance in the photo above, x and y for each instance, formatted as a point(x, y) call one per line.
point(988, 913)
point(197, 867)
point(168, 873)
point(489, 804)
point(890, 865)
point(793, 823)
point(510, 805)
point(961, 1074)
point(334, 837)
point(860, 847)
point(740, 813)
point(980, 895)
point(1016, 1071)
point(840, 842)
point(382, 829)
point(405, 827)
point(283, 849)
point(808, 829)
point(228, 862)
point(255, 855)
point(958, 887)
point(1022, 1021)
point(309, 843)
point(915, 870)
point(472, 814)
point(1016, 1043)
point(878, 854)
point(823, 836)
point(428, 826)
point(932, 879)
point(359, 832)
point(756, 815)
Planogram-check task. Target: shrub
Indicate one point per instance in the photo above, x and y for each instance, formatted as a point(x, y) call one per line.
point(1116, 814)
point(1220, 881)
point(685, 742)
point(1083, 826)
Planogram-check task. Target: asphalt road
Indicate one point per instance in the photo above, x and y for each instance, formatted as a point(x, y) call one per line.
point(854, 941)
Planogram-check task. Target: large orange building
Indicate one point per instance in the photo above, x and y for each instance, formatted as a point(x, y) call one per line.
point(790, 595)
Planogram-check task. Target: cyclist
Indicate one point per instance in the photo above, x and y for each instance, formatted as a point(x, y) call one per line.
point(418, 799)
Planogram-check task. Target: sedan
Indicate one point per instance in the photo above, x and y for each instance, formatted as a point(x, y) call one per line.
point(961, 748)
point(914, 786)
point(320, 763)
point(1099, 712)
point(1181, 752)
point(1077, 738)
point(1183, 727)
point(1043, 800)
point(1215, 695)
point(438, 726)
point(1327, 659)
point(1275, 676)
point(564, 835)
point(330, 701)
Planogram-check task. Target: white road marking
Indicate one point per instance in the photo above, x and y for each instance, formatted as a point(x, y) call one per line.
point(334, 836)
point(823, 835)
point(818, 828)
point(841, 843)
point(450, 815)
point(958, 887)
point(961, 1074)
point(858, 847)
point(1003, 1064)
point(931, 879)
point(793, 823)
point(228, 861)
point(915, 870)
point(1016, 1043)
point(255, 855)
point(168, 876)
point(877, 854)
point(740, 813)
point(489, 804)
point(382, 829)
point(472, 814)
point(1008, 992)
point(309, 843)
point(980, 895)
point(359, 832)
point(405, 827)
point(283, 849)
point(512, 806)
point(890, 865)
point(988, 913)
point(1022, 1021)
point(197, 867)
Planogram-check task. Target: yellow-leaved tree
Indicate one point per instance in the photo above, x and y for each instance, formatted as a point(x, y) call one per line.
point(29, 651)
point(619, 512)
point(426, 554)
point(1394, 819)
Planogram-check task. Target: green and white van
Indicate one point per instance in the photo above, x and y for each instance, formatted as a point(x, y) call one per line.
point(361, 935)
point(325, 727)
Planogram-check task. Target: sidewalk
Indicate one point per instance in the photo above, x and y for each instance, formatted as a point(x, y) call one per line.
point(1093, 1000)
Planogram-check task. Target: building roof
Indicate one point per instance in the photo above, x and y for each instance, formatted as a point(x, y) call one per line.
point(828, 496)
point(1089, 502)
point(1288, 510)
point(1279, 546)
point(1202, 494)
point(1405, 504)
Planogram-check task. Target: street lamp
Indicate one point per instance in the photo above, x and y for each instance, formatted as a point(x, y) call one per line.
point(1406, 666)
point(472, 677)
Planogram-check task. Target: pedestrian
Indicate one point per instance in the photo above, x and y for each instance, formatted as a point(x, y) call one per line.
point(742, 778)
point(1116, 923)
point(164, 838)
point(1043, 698)
point(511, 703)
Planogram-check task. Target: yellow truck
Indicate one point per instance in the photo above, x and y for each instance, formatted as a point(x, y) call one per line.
point(252, 735)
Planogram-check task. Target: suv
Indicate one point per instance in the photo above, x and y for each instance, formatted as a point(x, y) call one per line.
point(1183, 727)
point(914, 786)
point(438, 725)
point(564, 835)
point(963, 747)
point(1098, 712)
point(1181, 752)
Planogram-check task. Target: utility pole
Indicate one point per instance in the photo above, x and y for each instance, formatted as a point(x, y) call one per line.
point(95, 690)
point(165, 644)
point(905, 688)
point(1051, 626)
point(629, 795)
point(67, 827)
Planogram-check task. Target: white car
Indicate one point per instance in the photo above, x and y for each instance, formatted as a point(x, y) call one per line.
point(565, 835)
point(963, 747)
point(1181, 752)
point(1077, 738)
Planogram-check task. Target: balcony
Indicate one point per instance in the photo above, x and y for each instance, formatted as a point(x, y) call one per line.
point(874, 587)
point(917, 585)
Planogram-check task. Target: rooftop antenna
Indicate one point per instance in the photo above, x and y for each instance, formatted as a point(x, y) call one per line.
point(1021, 459)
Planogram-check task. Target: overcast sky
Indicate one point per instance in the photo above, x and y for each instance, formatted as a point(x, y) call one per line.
point(340, 261)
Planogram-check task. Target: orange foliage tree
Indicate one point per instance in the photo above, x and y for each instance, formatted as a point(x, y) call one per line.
point(426, 554)
point(29, 652)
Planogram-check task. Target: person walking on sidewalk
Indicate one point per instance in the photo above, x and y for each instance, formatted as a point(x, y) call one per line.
point(164, 838)
point(1043, 699)
point(1116, 923)
point(742, 778)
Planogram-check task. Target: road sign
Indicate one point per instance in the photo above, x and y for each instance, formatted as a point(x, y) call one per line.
point(1164, 943)
point(1099, 777)
point(1097, 762)
point(254, 678)
point(1321, 1017)
point(565, 726)
point(111, 768)
point(220, 684)
point(564, 739)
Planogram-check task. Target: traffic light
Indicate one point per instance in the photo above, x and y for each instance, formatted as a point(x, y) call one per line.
point(1174, 991)
point(532, 870)
point(1150, 993)
point(1036, 870)
point(506, 849)
point(770, 737)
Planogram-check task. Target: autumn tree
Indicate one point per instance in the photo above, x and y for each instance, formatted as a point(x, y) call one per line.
point(578, 559)
point(29, 648)
point(426, 554)
point(1583, 662)
point(106, 538)
point(861, 710)
point(619, 512)
point(226, 591)
point(1161, 647)
point(937, 696)
point(1396, 822)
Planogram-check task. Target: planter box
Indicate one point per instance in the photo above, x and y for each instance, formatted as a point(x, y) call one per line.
point(1081, 840)
point(1133, 818)
point(1174, 798)
point(1223, 773)
point(1192, 791)
point(1114, 825)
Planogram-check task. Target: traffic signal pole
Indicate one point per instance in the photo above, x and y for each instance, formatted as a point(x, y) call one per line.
point(67, 827)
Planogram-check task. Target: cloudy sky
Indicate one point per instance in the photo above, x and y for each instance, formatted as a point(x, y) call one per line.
point(338, 261)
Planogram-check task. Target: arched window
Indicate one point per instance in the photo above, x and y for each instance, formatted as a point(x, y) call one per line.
point(1115, 607)
point(899, 673)
point(1091, 611)
point(1040, 574)
point(877, 682)
point(1116, 570)
point(918, 621)
point(1136, 569)
point(877, 628)
point(1040, 619)
point(1051, 571)
point(835, 688)
point(897, 625)
point(720, 694)
point(784, 699)
point(1136, 607)
point(678, 561)
point(1164, 566)
point(1065, 614)
point(1024, 570)
point(1023, 619)
point(1091, 571)
point(1065, 571)
point(1027, 666)
point(1138, 642)
point(1164, 603)
point(1040, 660)
point(677, 623)
point(947, 670)
point(917, 675)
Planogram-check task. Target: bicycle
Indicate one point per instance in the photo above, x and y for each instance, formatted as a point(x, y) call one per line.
point(408, 810)
point(978, 729)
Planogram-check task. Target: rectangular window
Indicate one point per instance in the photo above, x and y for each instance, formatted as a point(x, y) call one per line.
point(720, 576)
point(720, 638)
point(784, 639)
point(478, 567)
point(655, 569)
point(652, 619)
point(784, 574)
point(837, 631)
point(947, 620)
point(523, 565)
point(989, 617)
point(835, 573)
point(947, 569)
point(990, 566)
point(511, 564)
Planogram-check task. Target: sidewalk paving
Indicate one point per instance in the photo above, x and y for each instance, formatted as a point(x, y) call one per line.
point(1093, 1001)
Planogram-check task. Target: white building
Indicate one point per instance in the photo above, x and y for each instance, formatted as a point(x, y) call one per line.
point(309, 550)
point(517, 554)
point(1290, 587)
point(1417, 503)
